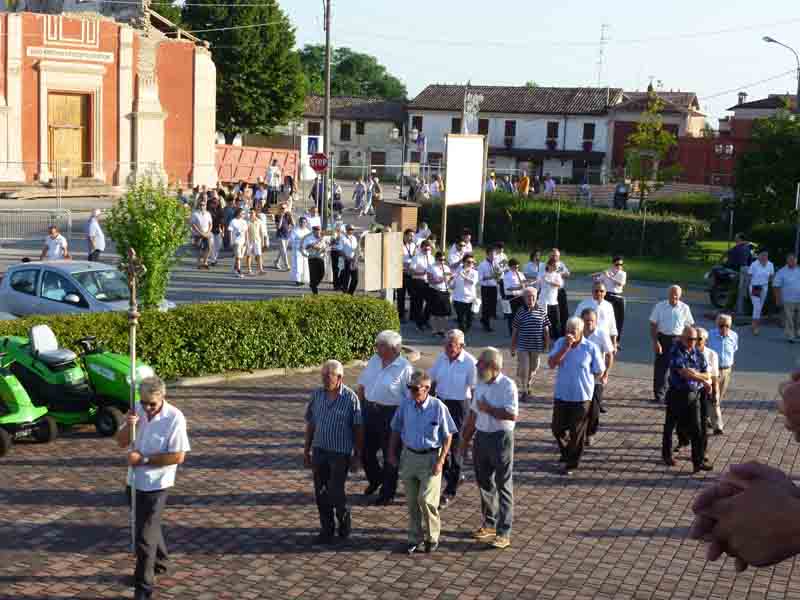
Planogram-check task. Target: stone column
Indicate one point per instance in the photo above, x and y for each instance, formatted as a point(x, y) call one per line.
point(11, 167)
point(125, 107)
point(148, 116)
point(204, 135)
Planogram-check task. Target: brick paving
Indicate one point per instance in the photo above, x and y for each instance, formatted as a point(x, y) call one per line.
point(241, 519)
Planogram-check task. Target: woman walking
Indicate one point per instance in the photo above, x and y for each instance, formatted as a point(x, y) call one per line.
point(513, 283)
point(299, 260)
point(439, 276)
point(465, 292)
point(550, 282)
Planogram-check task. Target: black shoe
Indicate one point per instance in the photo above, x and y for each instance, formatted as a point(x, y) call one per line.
point(381, 501)
point(603, 409)
point(718, 432)
point(412, 548)
point(140, 594)
point(161, 569)
point(706, 466)
point(670, 462)
point(345, 526)
point(444, 501)
point(323, 538)
point(567, 470)
point(562, 458)
point(431, 547)
point(371, 489)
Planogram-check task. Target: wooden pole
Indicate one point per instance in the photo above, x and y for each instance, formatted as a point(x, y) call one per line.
point(134, 269)
point(483, 189)
point(444, 224)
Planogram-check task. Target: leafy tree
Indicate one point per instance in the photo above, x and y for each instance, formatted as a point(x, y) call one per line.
point(531, 84)
point(352, 74)
point(768, 171)
point(151, 221)
point(169, 10)
point(259, 80)
point(647, 149)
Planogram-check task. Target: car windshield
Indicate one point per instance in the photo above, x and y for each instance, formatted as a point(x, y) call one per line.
point(106, 286)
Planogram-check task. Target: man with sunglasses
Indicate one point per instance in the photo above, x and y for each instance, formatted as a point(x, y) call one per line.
point(160, 445)
point(606, 320)
point(688, 376)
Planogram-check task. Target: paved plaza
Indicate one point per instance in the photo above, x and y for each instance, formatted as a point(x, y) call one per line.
point(242, 517)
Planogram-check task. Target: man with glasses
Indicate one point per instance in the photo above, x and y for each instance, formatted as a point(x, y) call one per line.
point(426, 429)
point(615, 280)
point(160, 445)
point(725, 342)
point(602, 308)
point(687, 378)
point(667, 321)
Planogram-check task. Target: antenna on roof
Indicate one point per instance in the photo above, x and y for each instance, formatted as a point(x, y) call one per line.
point(601, 59)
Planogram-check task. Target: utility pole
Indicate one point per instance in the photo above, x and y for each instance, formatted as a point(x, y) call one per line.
point(327, 126)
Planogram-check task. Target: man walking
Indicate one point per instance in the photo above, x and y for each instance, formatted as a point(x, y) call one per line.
point(348, 277)
point(725, 342)
point(563, 303)
point(488, 275)
point(579, 362)
point(667, 320)
point(493, 413)
point(787, 292)
point(426, 428)
point(273, 183)
point(382, 386)
point(530, 337)
point(96, 237)
point(334, 431)
point(201, 229)
point(602, 340)
point(604, 311)
point(160, 445)
point(454, 378)
point(314, 247)
point(409, 251)
point(55, 246)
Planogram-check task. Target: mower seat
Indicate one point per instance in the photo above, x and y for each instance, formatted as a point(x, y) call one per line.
point(45, 347)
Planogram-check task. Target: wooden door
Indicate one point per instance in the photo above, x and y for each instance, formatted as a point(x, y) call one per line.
point(68, 128)
point(378, 162)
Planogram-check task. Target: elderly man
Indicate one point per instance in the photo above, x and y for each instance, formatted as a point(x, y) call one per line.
point(382, 386)
point(160, 445)
point(454, 378)
point(725, 342)
point(488, 274)
point(530, 337)
point(708, 397)
point(606, 320)
point(787, 292)
point(493, 414)
point(667, 321)
point(688, 376)
point(334, 431)
point(579, 362)
point(426, 428)
point(601, 339)
point(95, 237)
point(55, 246)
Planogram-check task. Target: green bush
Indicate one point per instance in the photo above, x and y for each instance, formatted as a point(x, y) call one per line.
point(204, 339)
point(700, 206)
point(777, 238)
point(532, 224)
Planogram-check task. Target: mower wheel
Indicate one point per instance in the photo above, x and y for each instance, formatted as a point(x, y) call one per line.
point(5, 442)
point(47, 430)
point(108, 421)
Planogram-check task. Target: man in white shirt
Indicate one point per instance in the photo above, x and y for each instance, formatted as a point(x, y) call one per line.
point(420, 304)
point(465, 289)
point(96, 237)
point(667, 322)
point(787, 292)
point(493, 412)
point(313, 218)
point(273, 182)
point(606, 319)
point(201, 229)
point(454, 378)
point(382, 386)
point(160, 445)
point(487, 276)
point(55, 246)
point(348, 248)
point(456, 255)
point(409, 252)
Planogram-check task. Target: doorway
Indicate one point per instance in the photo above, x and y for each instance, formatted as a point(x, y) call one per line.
point(68, 134)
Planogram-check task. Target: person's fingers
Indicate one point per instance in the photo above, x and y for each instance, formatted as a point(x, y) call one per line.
point(712, 494)
point(752, 471)
point(700, 528)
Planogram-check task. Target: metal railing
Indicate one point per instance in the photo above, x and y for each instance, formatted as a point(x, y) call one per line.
point(32, 223)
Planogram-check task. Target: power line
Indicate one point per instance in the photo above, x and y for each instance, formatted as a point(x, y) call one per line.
point(748, 85)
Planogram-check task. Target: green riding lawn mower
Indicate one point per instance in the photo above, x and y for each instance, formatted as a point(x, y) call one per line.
point(90, 388)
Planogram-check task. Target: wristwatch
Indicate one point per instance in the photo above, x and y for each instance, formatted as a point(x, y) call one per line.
point(145, 460)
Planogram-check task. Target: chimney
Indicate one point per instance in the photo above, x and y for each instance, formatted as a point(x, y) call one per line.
point(742, 98)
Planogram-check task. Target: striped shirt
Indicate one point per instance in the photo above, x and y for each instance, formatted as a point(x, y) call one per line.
point(333, 420)
point(530, 325)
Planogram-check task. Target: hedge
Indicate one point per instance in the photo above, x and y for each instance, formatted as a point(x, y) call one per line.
point(776, 238)
point(532, 224)
point(204, 339)
point(700, 206)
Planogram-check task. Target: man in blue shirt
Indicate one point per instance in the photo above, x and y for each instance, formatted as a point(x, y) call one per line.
point(725, 342)
point(578, 362)
point(688, 376)
point(426, 429)
point(334, 431)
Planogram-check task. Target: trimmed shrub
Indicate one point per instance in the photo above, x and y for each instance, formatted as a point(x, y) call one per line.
point(530, 224)
point(776, 238)
point(700, 206)
point(204, 339)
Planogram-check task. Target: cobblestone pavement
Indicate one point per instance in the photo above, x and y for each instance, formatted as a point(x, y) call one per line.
point(241, 519)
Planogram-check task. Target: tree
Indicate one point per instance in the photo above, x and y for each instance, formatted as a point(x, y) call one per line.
point(352, 74)
point(647, 148)
point(531, 84)
point(768, 171)
point(259, 80)
point(168, 10)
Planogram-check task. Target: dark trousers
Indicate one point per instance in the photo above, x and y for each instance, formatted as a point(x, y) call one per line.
point(316, 272)
point(570, 422)
point(151, 550)
point(661, 368)
point(594, 410)
point(401, 296)
point(494, 466)
point(563, 311)
point(272, 195)
point(464, 315)
point(618, 304)
point(419, 299)
point(335, 254)
point(378, 433)
point(454, 460)
point(94, 256)
point(348, 280)
point(330, 476)
point(488, 304)
point(683, 412)
point(554, 316)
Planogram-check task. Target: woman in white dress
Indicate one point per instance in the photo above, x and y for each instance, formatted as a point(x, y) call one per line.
point(299, 260)
point(761, 273)
point(549, 283)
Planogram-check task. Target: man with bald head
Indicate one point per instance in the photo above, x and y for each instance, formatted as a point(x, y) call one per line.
point(667, 321)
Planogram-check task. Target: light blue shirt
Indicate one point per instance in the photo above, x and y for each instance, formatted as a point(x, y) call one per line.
point(575, 375)
point(423, 427)
point(725, 347)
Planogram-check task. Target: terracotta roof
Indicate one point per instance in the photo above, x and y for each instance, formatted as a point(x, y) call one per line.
point(674, 102)
point(519, 99)
point(773, 101)
point(356, 109)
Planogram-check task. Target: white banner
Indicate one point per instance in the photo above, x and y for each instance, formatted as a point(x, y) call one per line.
point(464, 174)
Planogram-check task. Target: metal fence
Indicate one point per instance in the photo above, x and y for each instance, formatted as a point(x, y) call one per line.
point(28, 223)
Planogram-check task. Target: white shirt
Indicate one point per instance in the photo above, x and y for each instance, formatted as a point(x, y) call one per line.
point(454, 379)
point(712, 358)
point(548, 293)
point(201, 219)
point(349, 246)
point(56, 247)
point(96, 234)
point(513, 283)
point(297, 237)
point(164, 434)
point(437, 277)
point(486, 273)
point(532, 270)
point(467, 247)
point(420, 265)
point(435, 193)
point(238, 229)
point(501, 261)
point(274, 176)
point(605, 314)
point(669, 319)
point(760, 274)
point(315, 221)
point(454, 257)
point(422, 235)
point(788, 280)
point(386, 385)
point(501, 393)
point(465, 285)
point(409, 251)
point(616, 283)
point(561, 269)
point(602, 340)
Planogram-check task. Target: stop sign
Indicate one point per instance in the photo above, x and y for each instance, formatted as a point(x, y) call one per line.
point(318, 162)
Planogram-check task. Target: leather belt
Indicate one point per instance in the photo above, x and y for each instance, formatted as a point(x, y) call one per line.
point(428, 451)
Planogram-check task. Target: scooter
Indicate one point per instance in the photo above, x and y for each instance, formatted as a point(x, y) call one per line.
point(19, 417)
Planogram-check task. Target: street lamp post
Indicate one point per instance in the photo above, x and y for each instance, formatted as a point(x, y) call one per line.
point(771, 40)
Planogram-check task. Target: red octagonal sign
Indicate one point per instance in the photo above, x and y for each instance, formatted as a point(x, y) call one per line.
point(318, 162)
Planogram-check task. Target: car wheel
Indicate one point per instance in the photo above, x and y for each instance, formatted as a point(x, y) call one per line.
point(46, 430)
point(5, 442)
point(108, 421)
point(719, 296)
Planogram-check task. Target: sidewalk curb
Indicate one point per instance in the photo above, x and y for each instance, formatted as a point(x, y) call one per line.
point(411, 354)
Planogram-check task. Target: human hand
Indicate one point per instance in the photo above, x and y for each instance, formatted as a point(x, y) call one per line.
point(133, 419)
point(307, 460)
point(570, 340)
point(604, 378)
point(657, 347)
point(513, 352)
point(789, 404)
point(135, 458)
point(484, 406)
point(437, 467)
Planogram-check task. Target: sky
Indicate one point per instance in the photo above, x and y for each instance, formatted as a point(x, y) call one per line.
point(711, 47)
